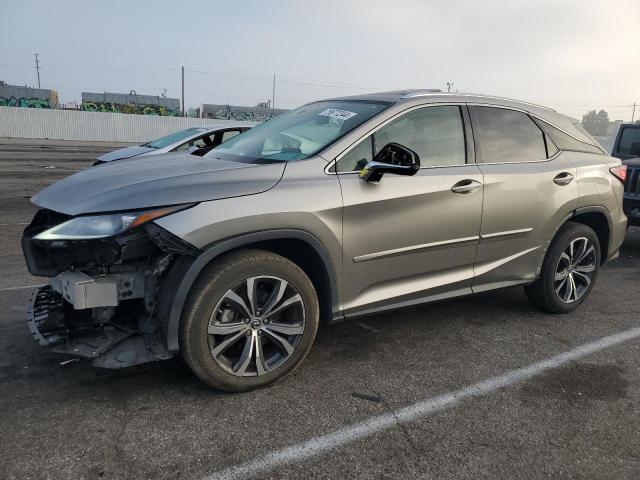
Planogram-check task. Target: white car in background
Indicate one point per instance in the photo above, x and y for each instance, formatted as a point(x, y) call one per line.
point(195, 140)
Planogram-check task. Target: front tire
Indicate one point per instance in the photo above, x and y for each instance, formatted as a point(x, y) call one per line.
point(250, 320)
point(569, 270)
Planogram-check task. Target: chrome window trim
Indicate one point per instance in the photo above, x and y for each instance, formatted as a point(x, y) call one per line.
point(525, 162)
point(553, 157)
point(531, 114)
point(378, 127)
point(449, 104)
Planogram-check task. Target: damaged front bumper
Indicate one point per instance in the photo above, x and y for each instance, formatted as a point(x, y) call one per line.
point(98, 306)
point(108, 337)
point(108, 345)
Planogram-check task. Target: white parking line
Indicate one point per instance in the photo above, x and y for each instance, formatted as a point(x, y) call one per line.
point(24, 287)
point(379, 423)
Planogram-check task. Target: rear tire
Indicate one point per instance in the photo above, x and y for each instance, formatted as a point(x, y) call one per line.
point(569, 270)
point(235, 340)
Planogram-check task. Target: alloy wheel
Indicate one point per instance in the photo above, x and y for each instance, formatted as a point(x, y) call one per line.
point(256, 326)
point(575, 270)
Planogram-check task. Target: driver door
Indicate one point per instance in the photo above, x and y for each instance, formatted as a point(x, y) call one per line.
point(411, 238)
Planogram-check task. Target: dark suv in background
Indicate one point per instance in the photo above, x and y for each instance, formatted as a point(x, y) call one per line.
point(627, 148)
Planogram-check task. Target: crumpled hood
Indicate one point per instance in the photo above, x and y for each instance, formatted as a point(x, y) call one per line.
point(125, 153)
point(156, 180)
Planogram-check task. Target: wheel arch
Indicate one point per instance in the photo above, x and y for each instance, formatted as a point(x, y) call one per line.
point(598, 218)
point(299, 246)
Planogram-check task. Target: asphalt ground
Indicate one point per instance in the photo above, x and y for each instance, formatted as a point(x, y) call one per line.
point(453, 389)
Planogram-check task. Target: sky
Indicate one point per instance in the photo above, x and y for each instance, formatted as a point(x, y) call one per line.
point(571, 55)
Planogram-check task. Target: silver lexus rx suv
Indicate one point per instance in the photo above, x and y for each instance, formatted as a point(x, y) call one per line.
point(336, 209)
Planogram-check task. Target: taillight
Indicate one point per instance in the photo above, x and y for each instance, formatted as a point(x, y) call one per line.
point(620, 172)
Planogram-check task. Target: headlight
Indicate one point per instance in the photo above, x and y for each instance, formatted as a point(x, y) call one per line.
point(101, 226)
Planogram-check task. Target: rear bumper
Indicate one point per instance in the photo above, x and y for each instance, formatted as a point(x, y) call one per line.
point(631, 206)
point(618, 233)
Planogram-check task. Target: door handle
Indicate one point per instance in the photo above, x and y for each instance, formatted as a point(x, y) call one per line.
point(563, 178)
point(466, 186)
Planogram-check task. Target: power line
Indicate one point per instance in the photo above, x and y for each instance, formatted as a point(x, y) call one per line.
point(252, 99)
point(266, 80)
point(286, 82)
point(93, 68)
point(587, 106)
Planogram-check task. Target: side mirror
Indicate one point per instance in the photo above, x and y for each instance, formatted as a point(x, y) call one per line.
point(393, 158)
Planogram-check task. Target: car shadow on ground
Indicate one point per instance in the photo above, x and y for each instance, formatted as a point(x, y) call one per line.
point(348, 341)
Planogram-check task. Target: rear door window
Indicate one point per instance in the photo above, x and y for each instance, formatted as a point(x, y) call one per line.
point(509, 136)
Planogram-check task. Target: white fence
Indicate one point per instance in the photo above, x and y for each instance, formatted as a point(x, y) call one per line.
point(18, 122)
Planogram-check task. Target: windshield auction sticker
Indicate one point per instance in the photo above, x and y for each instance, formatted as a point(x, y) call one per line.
point(339, 114)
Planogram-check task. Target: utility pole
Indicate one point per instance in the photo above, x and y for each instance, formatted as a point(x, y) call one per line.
point(449, 85)
point(183, 109)
point(37, 69)
point(273, 92)
point(633, 115)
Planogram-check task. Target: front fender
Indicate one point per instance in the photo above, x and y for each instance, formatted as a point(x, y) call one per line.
point(185, 272)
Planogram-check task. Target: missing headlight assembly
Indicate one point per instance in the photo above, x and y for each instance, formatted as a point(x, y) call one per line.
point(105, 272)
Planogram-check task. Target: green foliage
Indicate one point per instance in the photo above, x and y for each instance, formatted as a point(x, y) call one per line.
point(596, 123)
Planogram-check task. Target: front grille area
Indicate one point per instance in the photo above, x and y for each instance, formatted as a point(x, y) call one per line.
point(632, 185)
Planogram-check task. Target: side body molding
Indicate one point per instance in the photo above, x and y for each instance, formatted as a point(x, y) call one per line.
point(184, 282)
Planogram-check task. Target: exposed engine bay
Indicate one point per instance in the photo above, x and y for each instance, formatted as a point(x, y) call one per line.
point(102, 300)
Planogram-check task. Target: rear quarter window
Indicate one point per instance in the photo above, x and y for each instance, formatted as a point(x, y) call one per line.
point(565, 141)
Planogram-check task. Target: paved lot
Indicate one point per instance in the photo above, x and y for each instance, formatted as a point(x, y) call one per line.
point(580, 419)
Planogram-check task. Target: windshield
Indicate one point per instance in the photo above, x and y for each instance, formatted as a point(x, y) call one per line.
point(174, 137)
point(298, 134)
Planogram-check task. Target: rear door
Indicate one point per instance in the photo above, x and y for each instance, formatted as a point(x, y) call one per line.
point(529, 188)
point(407, 239)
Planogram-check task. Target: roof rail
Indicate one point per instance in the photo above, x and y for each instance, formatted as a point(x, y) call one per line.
point(421, 92)
point(424, 93)
point(510, 100)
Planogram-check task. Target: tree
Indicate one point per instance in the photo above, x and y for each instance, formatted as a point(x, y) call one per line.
point(596, 123)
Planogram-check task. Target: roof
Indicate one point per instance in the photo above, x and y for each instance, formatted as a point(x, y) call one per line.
point(439, 96)
point(414, 97)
